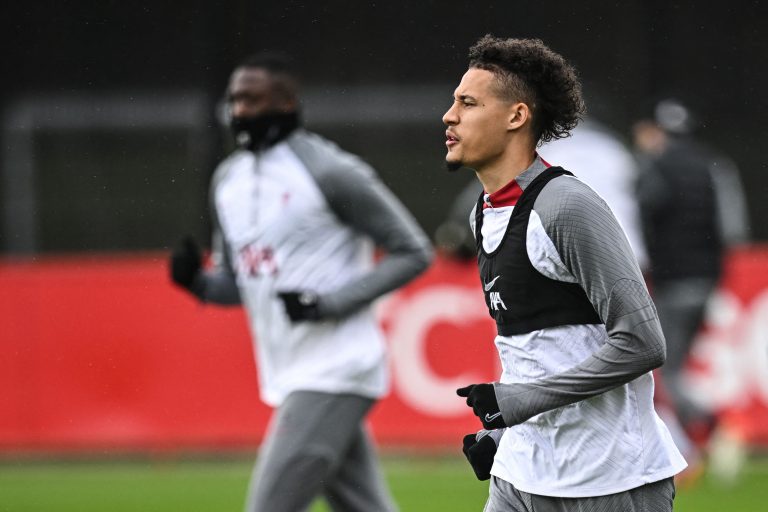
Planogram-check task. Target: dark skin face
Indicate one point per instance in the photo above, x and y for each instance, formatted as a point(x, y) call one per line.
point(253, 91)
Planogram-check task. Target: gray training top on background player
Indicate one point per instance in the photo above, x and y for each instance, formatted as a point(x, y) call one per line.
point(296, 221)
point(301, 216)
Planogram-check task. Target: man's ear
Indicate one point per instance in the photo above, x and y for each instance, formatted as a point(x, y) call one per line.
point(287, 104)
point(519, 115)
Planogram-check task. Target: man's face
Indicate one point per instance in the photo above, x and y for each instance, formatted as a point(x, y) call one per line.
point(252, 92)
point(477, 122)
point(649, 138)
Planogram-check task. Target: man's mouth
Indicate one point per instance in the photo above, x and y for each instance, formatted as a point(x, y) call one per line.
point(451, 139)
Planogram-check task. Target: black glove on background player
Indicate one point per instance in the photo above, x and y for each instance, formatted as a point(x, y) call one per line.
point(185, 263)
point(482, 399)
point(480, 453)
point(301, 306)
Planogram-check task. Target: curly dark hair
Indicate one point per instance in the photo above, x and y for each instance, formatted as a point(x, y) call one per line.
point(528, 71)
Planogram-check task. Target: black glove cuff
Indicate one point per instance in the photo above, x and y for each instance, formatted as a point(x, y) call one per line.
point(186, 263)
point(301, 306)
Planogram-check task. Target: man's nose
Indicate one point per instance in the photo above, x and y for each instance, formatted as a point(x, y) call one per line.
point(238, 108)
point(449, 117)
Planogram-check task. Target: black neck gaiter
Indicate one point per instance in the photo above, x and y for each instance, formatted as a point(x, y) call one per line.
point(265, 130)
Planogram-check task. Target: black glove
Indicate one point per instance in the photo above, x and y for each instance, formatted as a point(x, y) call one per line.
point(301, 306)
point(480, 454)
point(185, 263)
point(482, 399)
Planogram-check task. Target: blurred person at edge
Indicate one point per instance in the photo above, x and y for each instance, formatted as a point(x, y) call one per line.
point(296, 220)
point(692, 208)
point(570, 425)
point(597, 156)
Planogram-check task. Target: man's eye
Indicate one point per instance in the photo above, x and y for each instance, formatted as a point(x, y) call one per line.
point(244, 98)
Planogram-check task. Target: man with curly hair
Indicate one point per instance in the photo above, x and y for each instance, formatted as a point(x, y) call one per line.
point(570, 425)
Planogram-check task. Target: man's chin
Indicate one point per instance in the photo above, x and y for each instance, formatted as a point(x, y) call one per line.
point(453, 166)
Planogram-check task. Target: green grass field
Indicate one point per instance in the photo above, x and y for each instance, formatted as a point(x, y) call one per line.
point(421, 484)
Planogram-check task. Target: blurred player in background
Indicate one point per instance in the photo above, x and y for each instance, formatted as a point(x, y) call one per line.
point(693, 208)
point(296, 220)
point(601, 160)
point(578, 334)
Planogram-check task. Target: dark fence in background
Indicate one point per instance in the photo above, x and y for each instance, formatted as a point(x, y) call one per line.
point(108, 127)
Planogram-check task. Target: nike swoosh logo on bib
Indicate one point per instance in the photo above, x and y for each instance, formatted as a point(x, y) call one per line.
point(489, 285)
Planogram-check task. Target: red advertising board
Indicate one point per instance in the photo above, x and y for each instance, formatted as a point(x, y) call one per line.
point(101, 352)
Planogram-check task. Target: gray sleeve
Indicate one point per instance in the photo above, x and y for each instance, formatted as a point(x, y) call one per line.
point(360, 200)
point(218, 283)
point(731, 202)
point(471, 220)
point(594, 249)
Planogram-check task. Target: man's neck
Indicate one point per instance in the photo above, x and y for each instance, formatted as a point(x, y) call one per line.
point(496, 175)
